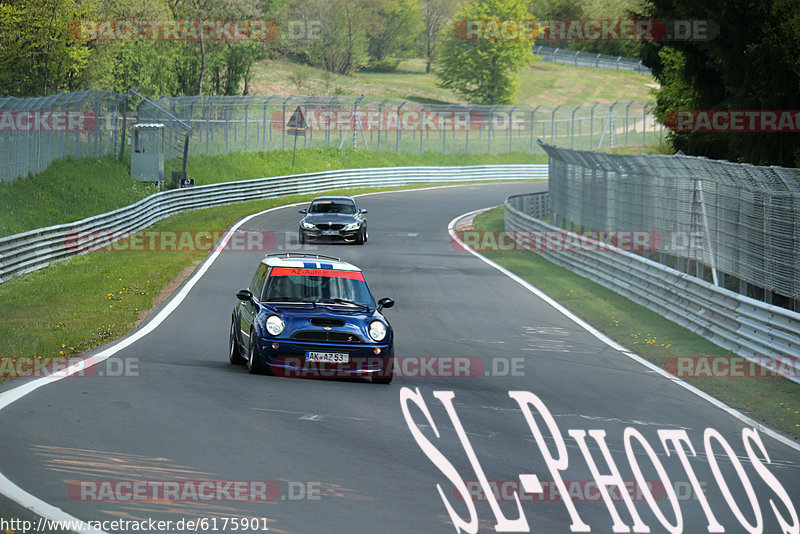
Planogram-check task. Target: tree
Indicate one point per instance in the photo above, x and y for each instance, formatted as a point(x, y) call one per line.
point(436, 13)
point(400, 24)
point(38, 56)
point(485, 70)
point(342, 44)
point(753, 64)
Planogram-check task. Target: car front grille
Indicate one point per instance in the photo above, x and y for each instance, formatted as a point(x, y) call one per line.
point(326, 336)
point(326, 226)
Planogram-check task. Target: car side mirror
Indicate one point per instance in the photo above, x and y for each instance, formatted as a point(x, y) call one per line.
point(363, 211)
point(385, 302)
point(304, 212)
point(244, 294)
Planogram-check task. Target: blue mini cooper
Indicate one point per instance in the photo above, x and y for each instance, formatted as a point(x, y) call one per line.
point(311, 315)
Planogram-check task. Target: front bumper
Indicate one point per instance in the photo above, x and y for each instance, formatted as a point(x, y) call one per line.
point(314, 235)
point(289, 359)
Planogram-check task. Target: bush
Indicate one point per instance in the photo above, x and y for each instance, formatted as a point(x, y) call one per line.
point(388, 64)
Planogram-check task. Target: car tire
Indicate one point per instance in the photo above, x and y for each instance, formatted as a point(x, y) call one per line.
point(253, 363)
point(382, 379)
point(301, 238)
point(360, 237)
point(366, 233)
point(233, 346)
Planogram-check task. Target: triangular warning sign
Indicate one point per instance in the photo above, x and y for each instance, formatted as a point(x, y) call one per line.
point(297, 120)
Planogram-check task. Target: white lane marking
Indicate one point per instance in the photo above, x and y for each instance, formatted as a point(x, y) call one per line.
point(777, 436)
point(310, 417)
point(40, 507)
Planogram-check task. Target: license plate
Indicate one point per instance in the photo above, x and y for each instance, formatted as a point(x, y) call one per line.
point(330, 232)
point(327, 357)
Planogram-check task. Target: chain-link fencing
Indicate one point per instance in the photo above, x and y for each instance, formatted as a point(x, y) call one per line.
point(736, 225)
point(37, 131)
point(259, 123)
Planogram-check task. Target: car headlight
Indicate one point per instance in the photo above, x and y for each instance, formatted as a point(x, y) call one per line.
point(377, 330)
point(275, 325)
point(352, 226)
point(307, 225)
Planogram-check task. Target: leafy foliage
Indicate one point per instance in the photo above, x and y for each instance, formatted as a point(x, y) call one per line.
point(753, 64)
point(484, 71)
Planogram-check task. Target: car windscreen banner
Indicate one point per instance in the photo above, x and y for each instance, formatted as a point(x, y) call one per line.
point(328, 273)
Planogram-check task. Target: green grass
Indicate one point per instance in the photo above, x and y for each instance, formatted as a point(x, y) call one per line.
point(66, 191)
point(73, 189)
point(88, 300)
point(775, 401)
point(541, 84)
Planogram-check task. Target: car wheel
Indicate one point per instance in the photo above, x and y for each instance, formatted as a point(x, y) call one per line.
point(233, 346)
point(360, 237)
point(301, 238)
point(366, 233)
point(253, 363)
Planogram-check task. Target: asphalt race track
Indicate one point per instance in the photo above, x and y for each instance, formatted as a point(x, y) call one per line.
point(338, 455)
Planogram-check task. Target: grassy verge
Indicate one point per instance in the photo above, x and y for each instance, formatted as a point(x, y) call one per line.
point(73, 189)
point(541, 83)
point(775, 401)
point(88, 300)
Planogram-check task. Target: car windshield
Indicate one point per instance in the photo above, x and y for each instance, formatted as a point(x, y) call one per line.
point(331, 287)
point(332, 206)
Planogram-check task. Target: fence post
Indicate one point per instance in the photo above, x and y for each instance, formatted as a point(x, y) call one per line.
point(533, 113)
point(380, 119)
point(397, 140)
point(510, 128)
point(572, 129)
point(553, 125)
point(591, 126)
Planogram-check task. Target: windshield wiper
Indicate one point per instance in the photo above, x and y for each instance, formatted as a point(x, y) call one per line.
point(291, 299)
point(343, 301)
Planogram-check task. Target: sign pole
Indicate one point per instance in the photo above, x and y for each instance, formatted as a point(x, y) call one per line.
point(294, 150)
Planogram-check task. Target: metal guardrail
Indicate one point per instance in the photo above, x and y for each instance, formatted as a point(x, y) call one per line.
point(36, 249)
point(591, 60)
point(731, 223)
point(748, 327)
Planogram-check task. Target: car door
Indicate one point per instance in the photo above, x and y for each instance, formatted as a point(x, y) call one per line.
point(247, 310)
